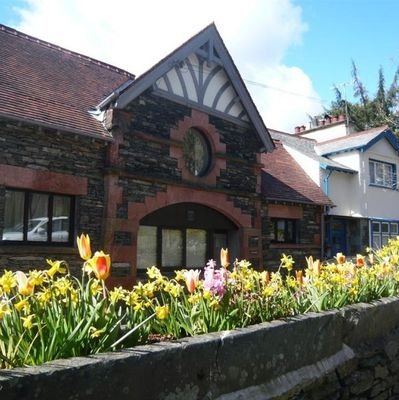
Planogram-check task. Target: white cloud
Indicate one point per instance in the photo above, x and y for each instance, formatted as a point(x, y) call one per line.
point(134, 35)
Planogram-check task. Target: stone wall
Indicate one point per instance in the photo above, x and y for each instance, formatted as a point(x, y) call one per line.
point(48, 150)
point(342, 354)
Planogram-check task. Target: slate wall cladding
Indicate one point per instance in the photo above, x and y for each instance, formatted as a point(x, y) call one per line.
point(340, 354)
point(147, 167)
point(308, 234)
point(28, 146)
point(156, 116)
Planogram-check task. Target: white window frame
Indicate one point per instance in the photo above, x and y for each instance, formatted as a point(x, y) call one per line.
point(382, 174)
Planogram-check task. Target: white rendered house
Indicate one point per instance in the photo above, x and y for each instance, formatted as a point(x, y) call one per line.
point(358, 172)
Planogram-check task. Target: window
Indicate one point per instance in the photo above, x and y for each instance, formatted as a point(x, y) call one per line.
point(382, 174)
point(27, 216)
point(177, 247)
point(382, 231)
point(283, 230)
point(196, 151)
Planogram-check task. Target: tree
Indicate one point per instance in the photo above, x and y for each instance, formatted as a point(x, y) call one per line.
point(368, 112)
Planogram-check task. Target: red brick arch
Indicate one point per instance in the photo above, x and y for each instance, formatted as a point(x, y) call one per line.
point(175, 195)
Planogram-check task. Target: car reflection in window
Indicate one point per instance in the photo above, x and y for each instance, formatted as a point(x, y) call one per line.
point(38, 230)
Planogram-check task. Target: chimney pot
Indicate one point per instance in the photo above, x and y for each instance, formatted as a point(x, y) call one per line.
point(297, 129)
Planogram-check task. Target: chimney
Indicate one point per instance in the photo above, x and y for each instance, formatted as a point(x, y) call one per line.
point(297, 129)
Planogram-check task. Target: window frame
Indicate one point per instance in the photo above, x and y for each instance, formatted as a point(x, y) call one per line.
point(192, 138)
point(377, 234)
point(289, 240)
point(209, 242)
point(392, 183)
point(28, 194)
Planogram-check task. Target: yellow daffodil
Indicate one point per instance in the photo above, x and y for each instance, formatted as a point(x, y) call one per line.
point(22, 305)
point(154, 272)
point(4, 309)
point(62, 286)
point(95, 333)
point(27, 321)
point(8, 281)
point(116, 294)
point(83, 242)
point(287, 262)
point(162, 312)
point(36, 277)
point(56, 267)
point(44, 296)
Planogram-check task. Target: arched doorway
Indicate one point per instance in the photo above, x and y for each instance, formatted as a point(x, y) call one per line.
point(184, 235)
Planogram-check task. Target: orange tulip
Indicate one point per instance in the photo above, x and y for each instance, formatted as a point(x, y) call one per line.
point(192, 279)
point(224, 257)
point(265, 275)
point(100, 265)
point(25, 286)
point(359, 260)
point(314, 266)
point(340, 258)
point(299, 277)
point(84, 246)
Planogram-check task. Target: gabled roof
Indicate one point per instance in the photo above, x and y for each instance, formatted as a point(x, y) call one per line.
point(307, 146)
point(201, 73)
point(360, 141)
point(283, 179)
point(50, 86)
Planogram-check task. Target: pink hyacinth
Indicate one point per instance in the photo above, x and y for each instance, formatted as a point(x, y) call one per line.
point(215, 280)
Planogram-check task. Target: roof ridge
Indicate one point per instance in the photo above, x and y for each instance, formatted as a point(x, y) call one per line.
point(291, 135)
point(53, 46)
point(380, 129)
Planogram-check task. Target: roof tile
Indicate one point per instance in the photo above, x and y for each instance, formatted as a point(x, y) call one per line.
point(43, 83)
point(283, 179)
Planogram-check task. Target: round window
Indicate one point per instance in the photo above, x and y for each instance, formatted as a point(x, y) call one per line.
point(197, 154)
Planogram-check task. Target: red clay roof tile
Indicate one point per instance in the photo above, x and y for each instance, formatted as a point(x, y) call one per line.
point(51, 86)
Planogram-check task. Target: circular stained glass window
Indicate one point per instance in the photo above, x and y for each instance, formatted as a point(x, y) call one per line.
point(197, 154)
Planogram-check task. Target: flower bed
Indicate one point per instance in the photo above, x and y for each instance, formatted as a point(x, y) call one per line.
point(49, 314)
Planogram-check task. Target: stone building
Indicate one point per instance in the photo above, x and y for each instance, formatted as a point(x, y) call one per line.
point(163, 170)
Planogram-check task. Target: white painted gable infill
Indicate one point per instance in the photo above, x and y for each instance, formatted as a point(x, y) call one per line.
point(201, 74)
point(204, 82)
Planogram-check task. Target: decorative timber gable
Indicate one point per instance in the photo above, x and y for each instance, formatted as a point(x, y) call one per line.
point(204, 82)
point(201, 74)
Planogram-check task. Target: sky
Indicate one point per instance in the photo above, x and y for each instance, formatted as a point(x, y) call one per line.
point(290, 53)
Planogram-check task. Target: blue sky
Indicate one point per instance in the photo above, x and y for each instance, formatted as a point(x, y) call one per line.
point(339, 31)
point(289, 52)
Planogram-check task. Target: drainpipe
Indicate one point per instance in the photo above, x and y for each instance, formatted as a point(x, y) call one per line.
point(323, 232)
point(325, 179)
point(323, 225)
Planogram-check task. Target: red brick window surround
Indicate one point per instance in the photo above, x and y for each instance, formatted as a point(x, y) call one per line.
point(200, 122)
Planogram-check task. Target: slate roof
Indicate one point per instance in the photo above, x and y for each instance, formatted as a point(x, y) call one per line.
point(47, 85)
point(307, 147)
point(360, 141)
point(283, 179)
